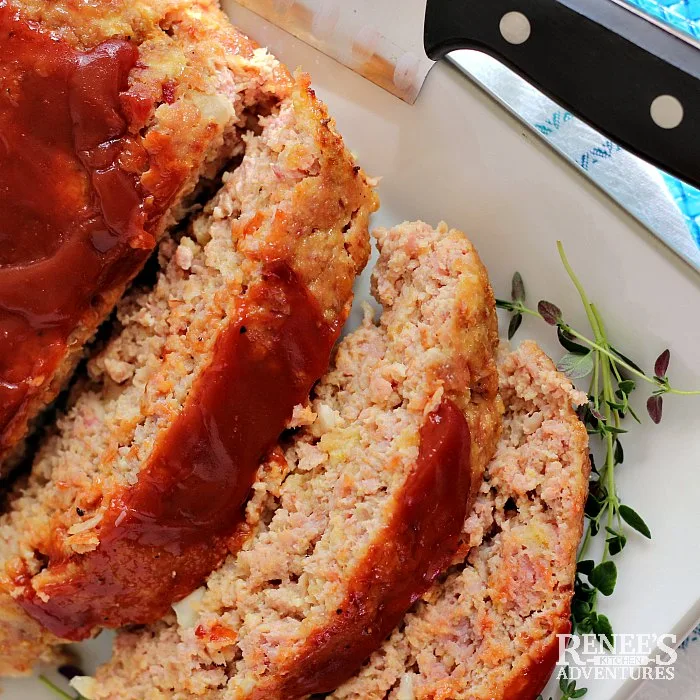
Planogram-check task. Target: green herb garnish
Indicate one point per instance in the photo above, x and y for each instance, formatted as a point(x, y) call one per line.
point(613, 378)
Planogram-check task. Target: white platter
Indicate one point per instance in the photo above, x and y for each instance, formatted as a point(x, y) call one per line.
point(456, 155)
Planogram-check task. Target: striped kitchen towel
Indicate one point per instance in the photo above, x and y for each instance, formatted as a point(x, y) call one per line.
point(686, 683)
point(684, 15)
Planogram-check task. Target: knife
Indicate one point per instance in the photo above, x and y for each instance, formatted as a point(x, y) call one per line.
point(626, 77)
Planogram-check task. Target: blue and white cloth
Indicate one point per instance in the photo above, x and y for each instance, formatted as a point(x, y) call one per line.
point(683, 15)
point(688, 200)
point(668, 207)
point(686, 683)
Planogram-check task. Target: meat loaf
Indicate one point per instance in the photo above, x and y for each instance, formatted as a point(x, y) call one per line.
point(488, 631)
point(111, 113)
point(359, 510)
point(134, 499)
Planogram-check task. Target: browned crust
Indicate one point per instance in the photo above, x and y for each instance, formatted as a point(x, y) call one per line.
point(532, 673)
point(23, 641)
point(323, 210)
point(177, 142)
point(484, 408)
point(535, 670)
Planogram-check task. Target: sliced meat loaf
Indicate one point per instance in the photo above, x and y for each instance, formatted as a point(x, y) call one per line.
point(134, 499)
point(359, 510)
point(111, 113)
point(488, 631)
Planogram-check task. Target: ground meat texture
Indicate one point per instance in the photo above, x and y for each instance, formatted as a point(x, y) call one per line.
point(145, 100)
point(488, 632)
point(135, 497)
point(329, 554)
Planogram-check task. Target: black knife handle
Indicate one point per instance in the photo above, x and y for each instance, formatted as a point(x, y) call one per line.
point(603, 78)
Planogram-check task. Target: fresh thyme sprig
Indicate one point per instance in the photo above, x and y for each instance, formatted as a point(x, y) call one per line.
point(552, 315)
point(613, 378)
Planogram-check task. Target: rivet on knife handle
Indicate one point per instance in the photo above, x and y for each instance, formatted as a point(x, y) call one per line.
point(644, 103)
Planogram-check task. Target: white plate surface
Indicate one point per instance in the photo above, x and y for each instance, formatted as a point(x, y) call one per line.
point(457, 156)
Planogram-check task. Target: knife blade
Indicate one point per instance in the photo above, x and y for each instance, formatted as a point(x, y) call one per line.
point(636, 83)
point(363, 35)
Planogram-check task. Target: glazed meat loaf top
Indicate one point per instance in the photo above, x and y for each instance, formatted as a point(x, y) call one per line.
point(111, 114)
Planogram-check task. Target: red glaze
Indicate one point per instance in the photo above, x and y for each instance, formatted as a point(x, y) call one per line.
point(73, 213)
point(417, 544)
point(160, 540)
